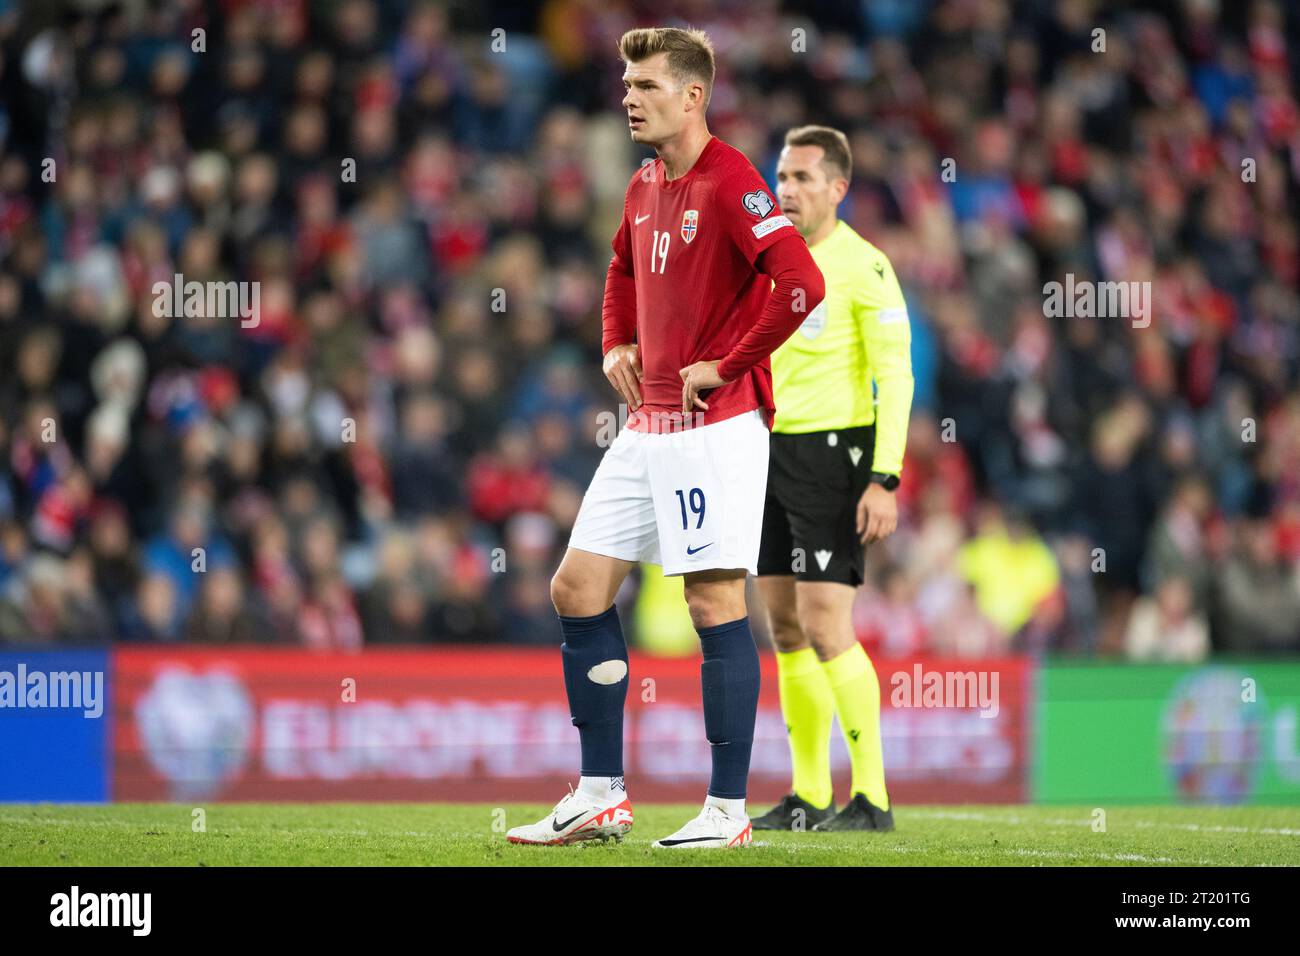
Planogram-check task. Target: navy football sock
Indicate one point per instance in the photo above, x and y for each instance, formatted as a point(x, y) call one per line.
point(595, 676)
point(729, 678)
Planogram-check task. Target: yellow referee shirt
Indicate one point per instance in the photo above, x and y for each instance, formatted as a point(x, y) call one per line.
point(822, 374)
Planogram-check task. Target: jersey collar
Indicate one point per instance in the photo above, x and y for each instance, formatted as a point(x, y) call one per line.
point(686, 176)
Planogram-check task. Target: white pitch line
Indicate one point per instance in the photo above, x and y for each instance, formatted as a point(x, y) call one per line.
point(989, 818)
point(1218, 828)
point(885, 850)
point(1141, 824)
point(127, 825)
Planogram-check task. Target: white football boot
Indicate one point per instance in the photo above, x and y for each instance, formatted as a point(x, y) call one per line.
point(575, 818)
point(712, 829)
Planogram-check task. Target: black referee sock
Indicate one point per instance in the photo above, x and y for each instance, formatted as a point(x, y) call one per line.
point(595, 677)
point(729, 679)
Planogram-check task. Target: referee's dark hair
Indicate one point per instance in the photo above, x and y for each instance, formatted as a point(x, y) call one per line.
point(834, 144)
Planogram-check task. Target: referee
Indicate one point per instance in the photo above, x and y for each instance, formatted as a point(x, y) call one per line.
point(835, 459)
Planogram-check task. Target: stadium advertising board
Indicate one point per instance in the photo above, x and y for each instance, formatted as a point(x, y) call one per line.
point(473, 724)
point(1219, 734)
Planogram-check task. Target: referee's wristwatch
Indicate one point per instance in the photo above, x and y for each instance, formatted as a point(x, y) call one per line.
point(887, 481)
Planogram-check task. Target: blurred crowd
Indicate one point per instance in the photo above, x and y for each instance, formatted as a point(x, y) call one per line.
point(424, 192)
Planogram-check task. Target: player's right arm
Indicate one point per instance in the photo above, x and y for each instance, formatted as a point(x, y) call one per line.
point(622, 363)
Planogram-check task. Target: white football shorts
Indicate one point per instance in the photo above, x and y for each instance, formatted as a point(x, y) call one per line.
point(690, 500)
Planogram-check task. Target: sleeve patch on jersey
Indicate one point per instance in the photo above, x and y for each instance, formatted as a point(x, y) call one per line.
point(892, 316)
point(758, 203)
point(771, 225)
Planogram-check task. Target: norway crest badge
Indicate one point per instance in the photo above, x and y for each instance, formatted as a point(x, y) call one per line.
point(690, 223)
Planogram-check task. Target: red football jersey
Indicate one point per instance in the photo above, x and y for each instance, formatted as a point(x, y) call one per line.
point(690, 247)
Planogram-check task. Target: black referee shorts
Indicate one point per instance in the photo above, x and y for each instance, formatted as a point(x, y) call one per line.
point(814, 482)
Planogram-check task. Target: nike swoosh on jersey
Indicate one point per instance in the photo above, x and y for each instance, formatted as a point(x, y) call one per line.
point(641, 219)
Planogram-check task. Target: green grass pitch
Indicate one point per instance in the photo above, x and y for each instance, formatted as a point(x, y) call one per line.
point(473, 835)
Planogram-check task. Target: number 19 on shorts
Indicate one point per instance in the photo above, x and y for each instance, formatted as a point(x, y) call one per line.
point(695, 497)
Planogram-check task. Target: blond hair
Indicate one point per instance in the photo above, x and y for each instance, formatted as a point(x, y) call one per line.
point(690, 53)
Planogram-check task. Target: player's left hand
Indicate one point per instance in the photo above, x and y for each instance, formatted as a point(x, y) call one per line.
point(695, 379)
point(877, 514)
